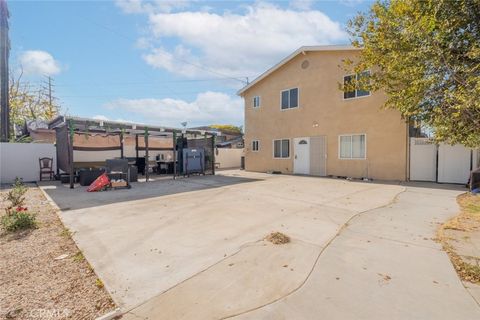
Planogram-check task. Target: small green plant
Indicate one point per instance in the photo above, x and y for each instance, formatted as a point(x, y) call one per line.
point(18, 218)
point(66, 233)
point(78, 256)
point(16, 195)
point(99, 283)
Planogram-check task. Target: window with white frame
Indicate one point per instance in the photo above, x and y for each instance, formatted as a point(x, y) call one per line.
point(256, 101)
point(289, 99)
point(255, 145)
point(281, 148)
point(357, 92)
point(352, 146)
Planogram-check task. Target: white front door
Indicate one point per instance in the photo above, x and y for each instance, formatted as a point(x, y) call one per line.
point(301, 158)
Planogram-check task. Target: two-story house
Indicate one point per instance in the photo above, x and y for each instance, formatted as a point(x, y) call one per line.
point(297, 120)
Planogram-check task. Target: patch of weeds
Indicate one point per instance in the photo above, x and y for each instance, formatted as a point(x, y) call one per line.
point(99, 283)
point(468, 220)
point(78, 257)
point(465, 270)
point(278, 238)
point(66, 233)
point(470, 205)
point(16, 194)
point(454, 224)
point(18, 218)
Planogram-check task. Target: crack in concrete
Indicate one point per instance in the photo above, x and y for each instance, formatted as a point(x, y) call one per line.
point(318, 257)
point(394, 240)
point(257, 241)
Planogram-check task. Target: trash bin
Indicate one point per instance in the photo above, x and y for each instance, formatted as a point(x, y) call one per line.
point(242, 163)
point(475, 179)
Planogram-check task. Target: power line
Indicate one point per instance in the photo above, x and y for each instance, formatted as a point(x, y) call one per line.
point(109, 84)
point(178, 93)
point(165, 54)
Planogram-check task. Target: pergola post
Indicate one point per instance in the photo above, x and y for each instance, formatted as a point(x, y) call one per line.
point(146, 155)
point(213, 154)
point(136, 145)
point(174, 155)
point(70, 132)
point(121, 145)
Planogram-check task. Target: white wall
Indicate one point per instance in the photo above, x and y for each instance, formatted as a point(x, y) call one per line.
point(21, 160)
point(228, 158)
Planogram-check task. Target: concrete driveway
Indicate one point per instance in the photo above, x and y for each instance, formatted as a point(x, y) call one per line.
point(194, 248)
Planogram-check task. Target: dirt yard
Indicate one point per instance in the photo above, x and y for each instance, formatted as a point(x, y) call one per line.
point(43, 275)
point(460, 237)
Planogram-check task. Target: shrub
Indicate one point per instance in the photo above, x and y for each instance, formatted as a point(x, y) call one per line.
point(18, 218)
point(16, 195)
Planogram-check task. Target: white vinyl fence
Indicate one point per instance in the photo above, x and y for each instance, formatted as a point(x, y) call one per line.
point(21, 160)
point(228, 158)
point(454, 163)
point(441, 163)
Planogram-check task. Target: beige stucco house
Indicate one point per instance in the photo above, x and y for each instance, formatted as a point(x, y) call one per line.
point(297, 120)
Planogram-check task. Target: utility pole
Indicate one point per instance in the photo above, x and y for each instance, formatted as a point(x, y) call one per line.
point(4, 55)
point(48, 89)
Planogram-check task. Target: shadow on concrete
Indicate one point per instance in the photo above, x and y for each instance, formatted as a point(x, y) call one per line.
point(415, 184)
point(79, 198)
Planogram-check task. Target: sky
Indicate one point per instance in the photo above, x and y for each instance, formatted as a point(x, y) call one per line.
point(164, 62)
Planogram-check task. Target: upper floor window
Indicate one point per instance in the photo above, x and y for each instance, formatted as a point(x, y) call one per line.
point(358, 92)
point(255, 145)
point(256, 101)
point(352, 146)
point(289, 99)
point(281, 148)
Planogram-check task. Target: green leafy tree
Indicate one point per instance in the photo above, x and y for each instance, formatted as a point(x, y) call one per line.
point(227, 127)
point(29, 104)
point(425, 55)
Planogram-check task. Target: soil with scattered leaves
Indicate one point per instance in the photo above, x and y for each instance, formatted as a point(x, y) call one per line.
point(460, 237)
point(43, 275)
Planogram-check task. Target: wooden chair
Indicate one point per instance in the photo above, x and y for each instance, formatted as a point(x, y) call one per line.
point(46, 167)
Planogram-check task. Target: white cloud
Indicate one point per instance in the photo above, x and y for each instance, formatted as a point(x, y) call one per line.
point(105, 118)
point(208, 107)
point(39, 62)
point(236, 44)
point(180, 61)
point(100, 117)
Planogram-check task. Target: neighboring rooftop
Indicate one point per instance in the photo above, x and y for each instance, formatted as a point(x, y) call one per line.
point(293, 55)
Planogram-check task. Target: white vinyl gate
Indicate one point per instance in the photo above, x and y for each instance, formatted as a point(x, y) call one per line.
point(440, 163)
point(423, 160)
point(454, 163)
